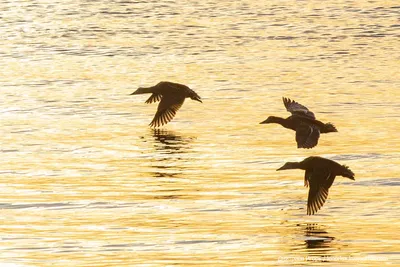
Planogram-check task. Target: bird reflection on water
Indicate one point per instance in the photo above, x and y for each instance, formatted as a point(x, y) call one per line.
point(169, 142)
point(317, 242)
point(169, 155)
point(317, 238)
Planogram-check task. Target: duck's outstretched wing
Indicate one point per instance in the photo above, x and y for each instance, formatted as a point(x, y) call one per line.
point(307, 136)
point(167, 109)
point(153, 98)
point(320, 180)
point(297, 109)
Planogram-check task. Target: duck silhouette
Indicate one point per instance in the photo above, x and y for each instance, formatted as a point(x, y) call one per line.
point(303, 121)
point(319, 176)
point(171, 96)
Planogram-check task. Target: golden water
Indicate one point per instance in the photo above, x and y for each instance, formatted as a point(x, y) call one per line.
point(85, 182)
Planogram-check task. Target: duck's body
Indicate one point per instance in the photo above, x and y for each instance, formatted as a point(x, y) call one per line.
point(303, 122)
point(319, 176)
point(171, 96)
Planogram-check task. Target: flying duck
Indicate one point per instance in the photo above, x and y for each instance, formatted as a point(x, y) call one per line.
point(171, 96)
point(303, 121)
point(319, 176)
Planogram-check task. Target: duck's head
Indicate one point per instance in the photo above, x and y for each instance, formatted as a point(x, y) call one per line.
point(271, 119)
point(289, 166)
point(144, 90)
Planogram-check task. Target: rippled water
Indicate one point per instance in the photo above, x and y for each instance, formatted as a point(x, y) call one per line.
point(85, 181)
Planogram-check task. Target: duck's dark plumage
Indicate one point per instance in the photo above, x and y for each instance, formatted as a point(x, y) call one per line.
point(319, 176)
point(171, 96)
point(303, 121)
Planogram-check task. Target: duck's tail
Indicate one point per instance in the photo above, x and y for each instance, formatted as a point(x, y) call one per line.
point(346, 172)
point(328, 128)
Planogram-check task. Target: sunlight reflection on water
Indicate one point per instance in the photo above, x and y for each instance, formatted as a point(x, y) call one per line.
point(84, 180)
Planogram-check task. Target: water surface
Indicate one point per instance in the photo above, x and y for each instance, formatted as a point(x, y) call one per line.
point(85, 181)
